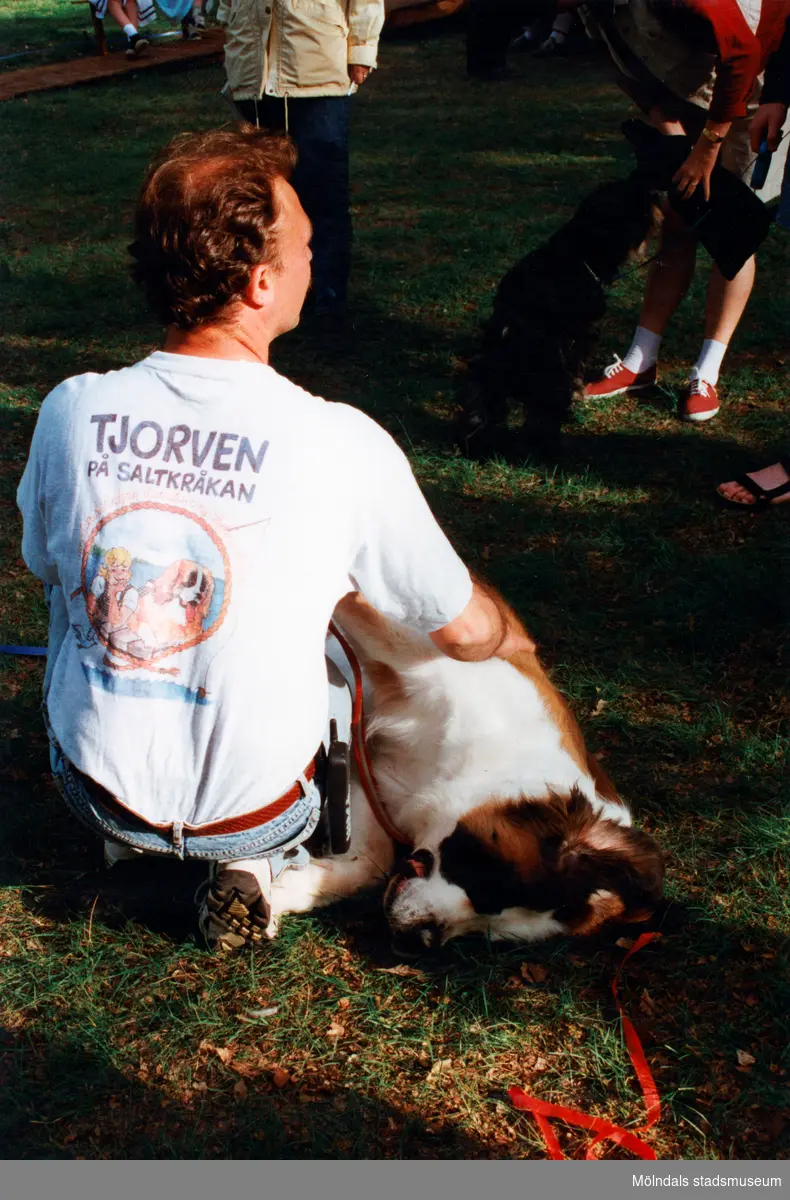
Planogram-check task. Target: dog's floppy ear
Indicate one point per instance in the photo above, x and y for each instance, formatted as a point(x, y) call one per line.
point(608, 871)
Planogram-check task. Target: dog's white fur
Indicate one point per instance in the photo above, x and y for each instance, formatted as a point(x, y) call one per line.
point(445, 737)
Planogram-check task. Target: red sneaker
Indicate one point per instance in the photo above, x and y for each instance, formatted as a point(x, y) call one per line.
point(699, 402)
point(617, 379)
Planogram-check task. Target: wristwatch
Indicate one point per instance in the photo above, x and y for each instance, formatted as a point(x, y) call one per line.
point(715, 138)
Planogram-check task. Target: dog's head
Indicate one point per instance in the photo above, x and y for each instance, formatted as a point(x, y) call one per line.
point(613, 223)
point(524, 870)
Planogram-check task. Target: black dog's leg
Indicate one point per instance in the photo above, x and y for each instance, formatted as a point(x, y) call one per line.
point(484, 410)
point(547, 400)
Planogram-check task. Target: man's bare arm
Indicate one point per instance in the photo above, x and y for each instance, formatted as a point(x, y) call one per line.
point(487, 628)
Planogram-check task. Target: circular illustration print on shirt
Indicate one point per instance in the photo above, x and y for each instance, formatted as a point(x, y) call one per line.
point(156, 581)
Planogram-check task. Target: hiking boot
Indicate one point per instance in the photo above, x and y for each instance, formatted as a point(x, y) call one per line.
point(138, 43)
point(617, 380)
point(699, 402)
point(233, 911)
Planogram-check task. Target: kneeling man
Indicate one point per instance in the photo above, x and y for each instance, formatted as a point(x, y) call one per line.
point(195, 519)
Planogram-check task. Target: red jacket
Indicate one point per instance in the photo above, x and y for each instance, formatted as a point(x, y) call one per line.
point(742, 54)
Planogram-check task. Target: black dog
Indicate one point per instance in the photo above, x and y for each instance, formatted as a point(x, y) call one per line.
point(542, 330)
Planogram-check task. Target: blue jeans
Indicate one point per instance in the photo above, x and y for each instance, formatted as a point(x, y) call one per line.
point(319, 127)
point(290, 829)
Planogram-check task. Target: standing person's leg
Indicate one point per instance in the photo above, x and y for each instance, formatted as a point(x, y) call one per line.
point(319, 126)
point(556, 42)
point(267, 113)
point(726, 298)
point(668, 281)
point(194, 22)
point(726, 301)
point(490, 26)
point(126, 16)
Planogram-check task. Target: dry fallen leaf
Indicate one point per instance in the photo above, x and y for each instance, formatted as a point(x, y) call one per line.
point(402, 969)
point(280, 1077)
point(599, 707)
point(240, 1090)
point(344, 1003)
point(533, 972)
point(744, 1059)
point(335, 1030)
point(540, 1064)
point(646, 1003)
point(624, 943)
point(223, 1053)
point(441, 1067)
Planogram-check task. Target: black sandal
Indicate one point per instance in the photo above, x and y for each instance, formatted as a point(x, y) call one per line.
point(762, 499)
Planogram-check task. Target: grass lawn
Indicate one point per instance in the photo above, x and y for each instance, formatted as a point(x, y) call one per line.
point(663, 619)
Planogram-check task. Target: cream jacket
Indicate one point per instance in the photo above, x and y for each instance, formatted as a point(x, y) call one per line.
point(297, 47)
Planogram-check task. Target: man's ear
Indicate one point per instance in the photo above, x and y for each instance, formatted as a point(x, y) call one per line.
point(258, 291)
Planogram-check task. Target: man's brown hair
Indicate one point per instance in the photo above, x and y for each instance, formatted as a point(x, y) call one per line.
point(205, 218)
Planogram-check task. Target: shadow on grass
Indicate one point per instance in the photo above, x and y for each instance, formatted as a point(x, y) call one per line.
point(63, 1101)
point(708, 993)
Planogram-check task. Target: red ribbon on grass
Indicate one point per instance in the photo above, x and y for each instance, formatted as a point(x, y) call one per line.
point(605, 1130)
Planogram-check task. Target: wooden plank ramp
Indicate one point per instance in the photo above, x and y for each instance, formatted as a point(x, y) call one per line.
point(92, 69)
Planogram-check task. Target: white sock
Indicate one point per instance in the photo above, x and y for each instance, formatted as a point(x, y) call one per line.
point(708, 364)
point(644, 350)
point(129, 30)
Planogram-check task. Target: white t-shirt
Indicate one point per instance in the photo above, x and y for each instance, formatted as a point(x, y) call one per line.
point(199, 519)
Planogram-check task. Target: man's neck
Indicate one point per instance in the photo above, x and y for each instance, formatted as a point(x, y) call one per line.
point(219, 341)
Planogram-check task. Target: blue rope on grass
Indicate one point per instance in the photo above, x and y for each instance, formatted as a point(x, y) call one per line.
point(25, 651)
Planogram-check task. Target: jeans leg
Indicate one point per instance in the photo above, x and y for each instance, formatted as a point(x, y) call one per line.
point(268, 113)
point(319, 126)
point(491, 24)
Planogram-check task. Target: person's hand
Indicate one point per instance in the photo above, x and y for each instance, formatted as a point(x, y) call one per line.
point(696, 170)
point(357, 73)
point(766, 126)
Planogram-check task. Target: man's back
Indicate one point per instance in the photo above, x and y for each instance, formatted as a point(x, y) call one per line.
point(199, 519)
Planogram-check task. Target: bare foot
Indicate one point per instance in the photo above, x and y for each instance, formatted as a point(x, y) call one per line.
point(766, 479)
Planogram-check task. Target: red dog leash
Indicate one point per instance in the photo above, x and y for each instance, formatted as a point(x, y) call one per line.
point(361, 757)
point(604, 1130)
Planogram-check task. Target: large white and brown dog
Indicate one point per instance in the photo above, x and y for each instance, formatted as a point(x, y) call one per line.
point(517, 832)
